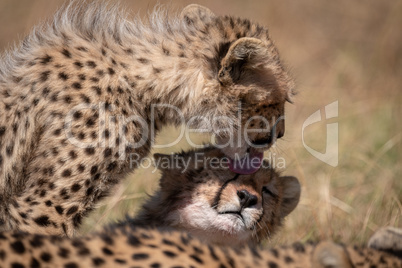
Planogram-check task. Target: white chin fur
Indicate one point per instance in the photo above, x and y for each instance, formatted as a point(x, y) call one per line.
point(205, 223)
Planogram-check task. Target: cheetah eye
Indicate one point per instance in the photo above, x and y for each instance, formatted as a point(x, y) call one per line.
point(265, 190)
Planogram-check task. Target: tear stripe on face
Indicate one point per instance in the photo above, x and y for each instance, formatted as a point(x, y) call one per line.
point(218, 194)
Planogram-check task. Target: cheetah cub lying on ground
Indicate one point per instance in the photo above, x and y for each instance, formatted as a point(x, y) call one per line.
point(85, 91)
point(212, 204)
point(129, 246)
point(201, 195)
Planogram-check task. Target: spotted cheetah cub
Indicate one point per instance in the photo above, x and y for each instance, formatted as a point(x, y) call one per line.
point(201, 195)
point(129, 246)
point(89, 89)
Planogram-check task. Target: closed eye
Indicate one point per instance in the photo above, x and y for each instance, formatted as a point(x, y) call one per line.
point(265, 190)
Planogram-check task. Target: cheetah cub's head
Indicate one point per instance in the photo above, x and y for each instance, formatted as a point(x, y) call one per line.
point(200, 194)
point(253, 85)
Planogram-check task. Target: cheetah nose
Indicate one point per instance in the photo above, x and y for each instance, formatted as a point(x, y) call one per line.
point(263, 141)
point(246, 199)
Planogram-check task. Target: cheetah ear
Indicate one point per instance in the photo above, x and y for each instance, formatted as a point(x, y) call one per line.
point(197, 15)
point(291, 194)
point(245, 53)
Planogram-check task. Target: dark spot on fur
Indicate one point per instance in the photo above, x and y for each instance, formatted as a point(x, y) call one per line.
point(10, 149)
point(89, 191)
point(76, 85)
point(120, 261)
point(72, 210)
point(94, 79)
point(111, 166)
point(72, 154)
point(75, 187)
point(63, 252)
point(169, 254)
point(18, 247)
point(59, 209)
point(42, 220)
point(110, 71)
point(35, 102)
point(143, 60)
point(44, 76)
point(81, 168)
point(77, 115)
point(298, 247)
point(288, 259)
point(45, 92)
point(2, 131)
point(107, 251)
point(91, 64)
point(94, 169)
point(98, 261)
point(140, 256)
point(197, 259)
point(67, 99)
point(90, 122)
point(46, 59)
point(17, 265)
point(90, 150)
point(156, 70)
point(97, 90)
point(70, 265)
point(66, 173)
point(81, 135)
point(272, 264)
point(85, 98)
point(133, 241)
point(34, 263)
point(66, 53)
point(84, 49)
point(46, 257)
point(78, 64)
point(15, 128)
point(36, 241)
point(100, 73)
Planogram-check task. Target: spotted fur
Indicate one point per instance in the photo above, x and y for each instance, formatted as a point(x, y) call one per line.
point(129, 246)
point(70, 94)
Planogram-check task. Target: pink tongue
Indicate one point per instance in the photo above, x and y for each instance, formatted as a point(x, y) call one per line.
point(247, 165)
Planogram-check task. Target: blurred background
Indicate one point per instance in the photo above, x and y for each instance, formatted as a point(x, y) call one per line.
point(345, 51)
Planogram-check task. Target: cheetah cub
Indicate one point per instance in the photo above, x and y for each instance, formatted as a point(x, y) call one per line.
point(88, 90)
point(129, 246)
point(201, 195)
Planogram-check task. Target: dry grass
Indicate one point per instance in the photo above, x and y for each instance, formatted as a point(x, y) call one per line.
point(339, 50)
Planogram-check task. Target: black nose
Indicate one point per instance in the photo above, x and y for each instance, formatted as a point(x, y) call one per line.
point(263, 141)
point(246, 199)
